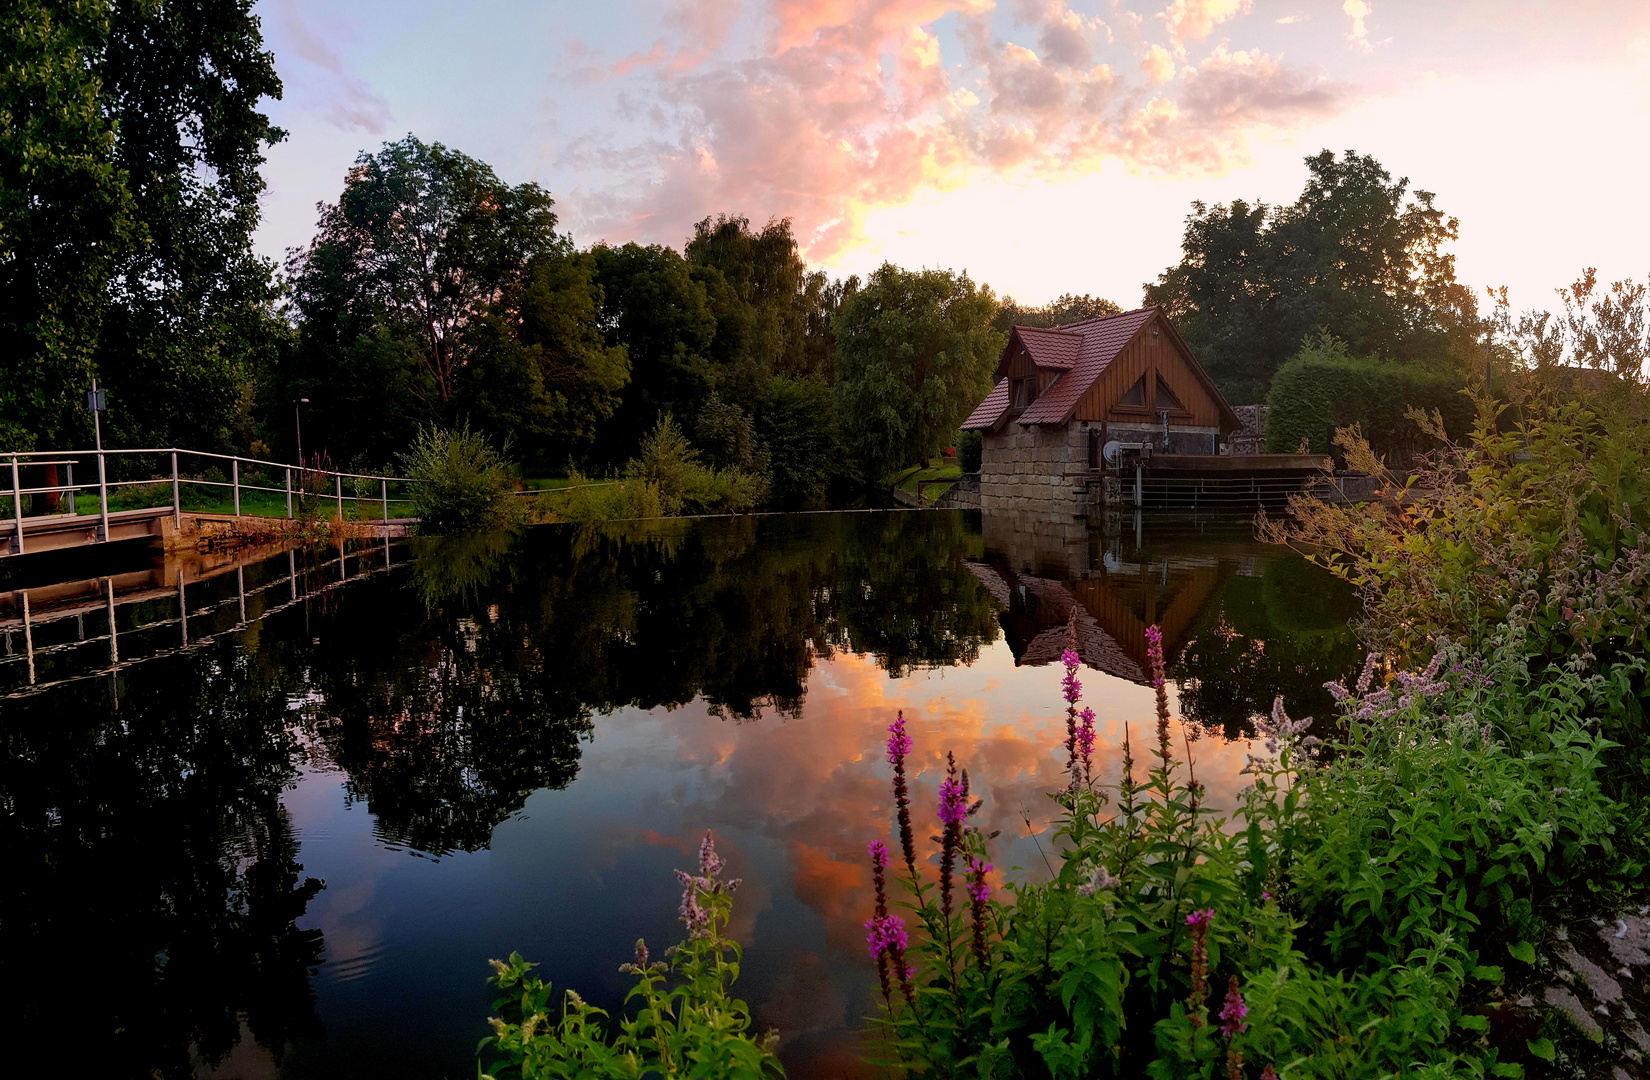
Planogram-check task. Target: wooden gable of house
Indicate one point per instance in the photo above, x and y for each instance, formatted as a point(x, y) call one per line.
point(1155, 374)
point(1027, 377)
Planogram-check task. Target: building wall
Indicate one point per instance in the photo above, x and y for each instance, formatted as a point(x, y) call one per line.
point(1045, 470)
point(1026, 470)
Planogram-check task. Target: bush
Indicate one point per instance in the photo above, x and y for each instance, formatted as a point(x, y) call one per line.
point(970, 450)
point(459, 480)
point(669, 463)
point(1323, 388)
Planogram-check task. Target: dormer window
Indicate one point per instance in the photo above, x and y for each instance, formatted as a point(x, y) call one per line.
point(1024, 392)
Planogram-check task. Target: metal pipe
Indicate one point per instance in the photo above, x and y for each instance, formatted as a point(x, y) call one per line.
point(73, 491)
point(235, 482)
point(289, 491)
point(102, 496)
point(240, 589)
point(183, 609)
point(384, 490)
point(17, 508)
point(340, 478)
point(177, 504)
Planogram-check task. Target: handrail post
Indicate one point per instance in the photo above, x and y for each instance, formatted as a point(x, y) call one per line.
point(289, 491)
point(102, 498)
point(17, 507)
point(73, 491)
point(384, 490)
point(177, 504)
point(235, 482)
point(340, 478)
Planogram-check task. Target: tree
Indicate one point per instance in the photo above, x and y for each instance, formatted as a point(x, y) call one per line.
point(656, 308)
point(438, 292)
point(914, 353)
point(788, 337)
point(130, 143)
point(1356, 256)
point(1066, 308)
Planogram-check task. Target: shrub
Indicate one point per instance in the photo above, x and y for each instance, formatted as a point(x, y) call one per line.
point(970, 451)
point(1323, 388)
point(690, 1029)
point(460, 480)
point(669, 463)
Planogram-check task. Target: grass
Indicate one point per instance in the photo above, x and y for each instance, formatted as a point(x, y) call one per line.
point(209, 500)
point(948, 470)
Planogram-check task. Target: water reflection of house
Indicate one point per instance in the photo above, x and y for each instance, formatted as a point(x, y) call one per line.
point(1115, 588)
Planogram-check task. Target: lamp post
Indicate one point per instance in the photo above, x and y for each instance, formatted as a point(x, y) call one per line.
point(298, 426)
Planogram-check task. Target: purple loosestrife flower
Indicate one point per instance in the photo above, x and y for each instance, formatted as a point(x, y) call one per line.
point(1085, 743)
point(1070, 687)
point(952, 810)
point(1198, 927)
point(1233, 1011)
point(899, 745)
point(978, 893)
point(886, 934)
point(1154, 653)
point(879, 866)
point(953, 803)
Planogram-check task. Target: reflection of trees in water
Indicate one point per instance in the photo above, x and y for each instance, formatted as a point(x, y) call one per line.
point(1285, 632)
point(155, 871)
point(154, 882)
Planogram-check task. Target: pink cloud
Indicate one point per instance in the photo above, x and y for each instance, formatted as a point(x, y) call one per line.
point(855, 104)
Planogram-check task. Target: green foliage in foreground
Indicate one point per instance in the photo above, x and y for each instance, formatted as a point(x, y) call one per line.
point(461, 480)
point(1349, 920)
point(1323, 387)
point(691, 1028)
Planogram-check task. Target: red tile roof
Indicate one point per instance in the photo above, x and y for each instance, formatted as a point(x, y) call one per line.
point(1056, 349)
point(1102, 340)
point(988, 412)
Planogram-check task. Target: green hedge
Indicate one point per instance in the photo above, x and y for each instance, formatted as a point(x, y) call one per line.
point(1323, 388)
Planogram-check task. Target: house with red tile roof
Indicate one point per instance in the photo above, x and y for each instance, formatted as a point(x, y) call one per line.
point(1062, 394)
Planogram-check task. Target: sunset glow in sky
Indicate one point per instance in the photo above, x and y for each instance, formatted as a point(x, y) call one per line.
point(1043, 147)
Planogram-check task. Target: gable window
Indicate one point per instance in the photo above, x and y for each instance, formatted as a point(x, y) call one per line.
point(1135, 396)
point(1166, 399)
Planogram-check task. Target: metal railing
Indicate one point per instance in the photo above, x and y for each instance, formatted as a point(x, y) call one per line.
point(306, 481)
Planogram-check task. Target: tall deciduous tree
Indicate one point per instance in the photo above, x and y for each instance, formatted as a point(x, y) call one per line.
point(435, 291)
point(130, 143)
point(1357, 256)
point(914, 353)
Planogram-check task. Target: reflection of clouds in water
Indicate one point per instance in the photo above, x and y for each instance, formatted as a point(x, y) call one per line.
point(820, 784)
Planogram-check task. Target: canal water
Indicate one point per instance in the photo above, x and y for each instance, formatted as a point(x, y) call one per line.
point(276, 823)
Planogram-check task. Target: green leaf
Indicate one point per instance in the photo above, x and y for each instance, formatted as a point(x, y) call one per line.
point(1487, 974)
point(1507, 1068)
point(1474, 1022)
point(1522, 950)
point(1542, 1048)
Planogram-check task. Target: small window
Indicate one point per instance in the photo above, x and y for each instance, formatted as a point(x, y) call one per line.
point(1019, 393)
point(1136, 394)
point(1166, 398)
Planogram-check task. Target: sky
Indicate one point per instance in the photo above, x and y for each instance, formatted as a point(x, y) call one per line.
point(1043, 147)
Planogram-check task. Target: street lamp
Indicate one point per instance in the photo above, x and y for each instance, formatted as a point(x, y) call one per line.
point(298, 427)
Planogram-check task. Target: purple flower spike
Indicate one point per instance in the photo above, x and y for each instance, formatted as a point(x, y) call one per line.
point(953, 803)
point(879, 854)
point(899, 743)
point(1233, 1011)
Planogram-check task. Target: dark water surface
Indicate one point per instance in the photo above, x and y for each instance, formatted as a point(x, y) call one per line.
point(282, 835)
